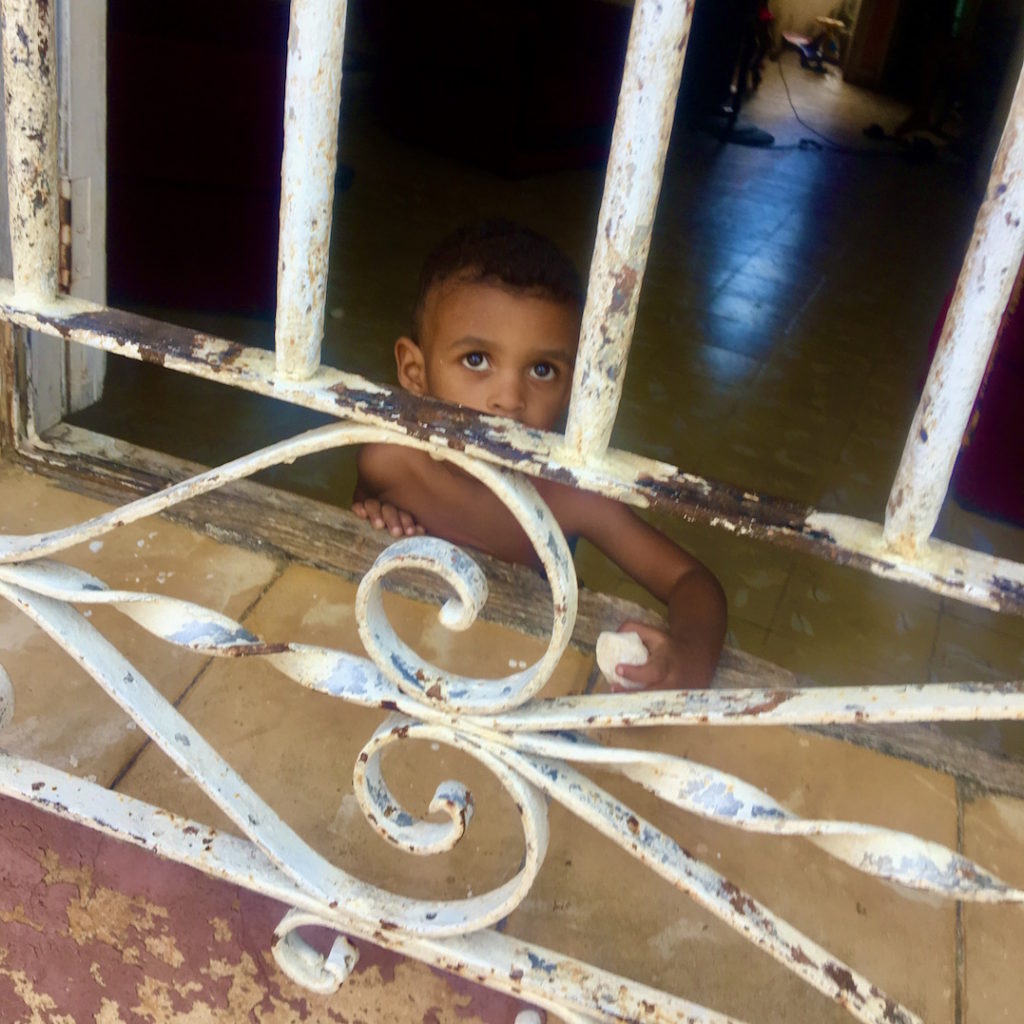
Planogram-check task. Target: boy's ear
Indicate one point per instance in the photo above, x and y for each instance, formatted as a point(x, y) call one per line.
point(411, 366)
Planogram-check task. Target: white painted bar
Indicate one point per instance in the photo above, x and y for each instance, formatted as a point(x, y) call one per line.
point(312, 95)
point(643, 123)
point(30, 101)
point(982, 291)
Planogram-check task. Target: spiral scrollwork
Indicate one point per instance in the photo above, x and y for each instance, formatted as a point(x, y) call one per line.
point(528, 747)
point(384, 811)
point(396, 661)
point(445, 690)
point(303, 964)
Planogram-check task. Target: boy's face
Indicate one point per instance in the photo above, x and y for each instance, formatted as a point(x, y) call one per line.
point(495, 351)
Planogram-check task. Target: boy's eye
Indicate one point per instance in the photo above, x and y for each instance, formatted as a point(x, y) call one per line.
point(543, 371)
point(475, 361)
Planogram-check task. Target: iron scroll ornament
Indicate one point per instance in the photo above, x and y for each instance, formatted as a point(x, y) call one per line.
point(485, 719)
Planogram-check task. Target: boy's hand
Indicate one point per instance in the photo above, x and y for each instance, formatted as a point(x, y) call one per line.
point(667, 667)
point(382, 516)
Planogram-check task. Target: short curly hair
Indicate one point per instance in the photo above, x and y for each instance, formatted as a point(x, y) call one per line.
point(502, 253)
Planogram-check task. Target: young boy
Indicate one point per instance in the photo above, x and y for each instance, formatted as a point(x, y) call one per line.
point(495, 329)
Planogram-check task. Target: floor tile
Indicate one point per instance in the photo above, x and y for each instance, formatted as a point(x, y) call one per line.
point(994, 935)
point(968, 650)
point(839, 618)
point(62, 717)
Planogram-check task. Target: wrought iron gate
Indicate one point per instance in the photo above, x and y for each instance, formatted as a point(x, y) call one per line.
point(532, 746)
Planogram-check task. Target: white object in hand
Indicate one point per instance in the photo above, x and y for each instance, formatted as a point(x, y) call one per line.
point(615, 649)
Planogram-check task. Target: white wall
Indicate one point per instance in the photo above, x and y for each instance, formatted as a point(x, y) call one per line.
point(799, 15)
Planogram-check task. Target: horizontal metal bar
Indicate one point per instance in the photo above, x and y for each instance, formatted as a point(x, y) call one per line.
point(312, 95)
point(643, 123)
point(982, 291)
point(943, 568)
point(818, 705)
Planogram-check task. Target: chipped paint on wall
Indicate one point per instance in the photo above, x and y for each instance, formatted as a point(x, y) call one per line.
point(93, 931)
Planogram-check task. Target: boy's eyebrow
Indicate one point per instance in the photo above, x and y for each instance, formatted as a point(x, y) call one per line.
point(471, 341)
point(553, 354)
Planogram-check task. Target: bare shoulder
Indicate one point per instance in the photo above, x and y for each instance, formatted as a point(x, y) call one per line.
point(380, 465)
point(395, 468)
point(446, 501)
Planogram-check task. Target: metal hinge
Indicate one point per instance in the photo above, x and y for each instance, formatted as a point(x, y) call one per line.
point(64, 248)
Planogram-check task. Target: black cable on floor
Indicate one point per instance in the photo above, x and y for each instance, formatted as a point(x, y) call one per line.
point(838, 146)
point(831, 145)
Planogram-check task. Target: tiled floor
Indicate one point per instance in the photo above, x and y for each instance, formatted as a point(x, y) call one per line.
point(781, 340)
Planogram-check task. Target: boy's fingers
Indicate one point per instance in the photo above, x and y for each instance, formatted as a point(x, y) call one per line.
point(641, 675)
point(392, 520)
point(372, 512)
point(387, 517)
point(652, 671)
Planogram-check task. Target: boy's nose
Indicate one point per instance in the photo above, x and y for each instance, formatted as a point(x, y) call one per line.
point(507, 398)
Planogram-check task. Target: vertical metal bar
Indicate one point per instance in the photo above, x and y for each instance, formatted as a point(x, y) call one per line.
point(982, 291)
point(30, 106)
point(312, 95)
point(650, 82)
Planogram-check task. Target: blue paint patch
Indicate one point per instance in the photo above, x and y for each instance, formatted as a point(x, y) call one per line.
point(574, 737)
point(403, 670)
point(204, 634)
point(540, 964)
point(715, 797)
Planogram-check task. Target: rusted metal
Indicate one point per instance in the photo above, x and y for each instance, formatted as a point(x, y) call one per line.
point(30, 105)
point(965, 346)
point(312, 95)
point(303, 964)
point(523, 742)
point(493, 732)
point(650, 81)
point(943, 568)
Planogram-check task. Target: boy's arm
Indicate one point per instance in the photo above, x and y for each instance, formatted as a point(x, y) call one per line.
point(686, 656)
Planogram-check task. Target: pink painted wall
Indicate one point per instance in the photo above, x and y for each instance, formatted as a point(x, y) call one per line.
point(96, 931)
